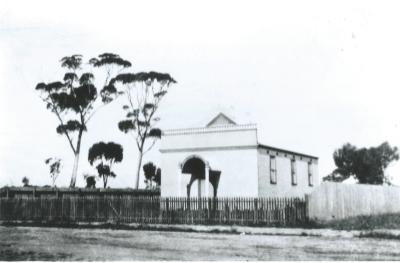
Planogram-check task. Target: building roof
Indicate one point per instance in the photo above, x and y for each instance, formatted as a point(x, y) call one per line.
point(263, 146)
point(222, 123)
point(220, 119)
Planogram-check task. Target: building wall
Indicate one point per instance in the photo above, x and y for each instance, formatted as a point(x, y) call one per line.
point(284, 186)
point(244, 165)
point(238, 172)
point(229, 149)
point(212, 137)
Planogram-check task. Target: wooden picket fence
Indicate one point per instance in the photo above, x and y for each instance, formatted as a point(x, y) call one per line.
point(157, 210)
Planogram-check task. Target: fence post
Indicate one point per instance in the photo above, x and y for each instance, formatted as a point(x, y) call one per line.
point(167, 213)
point(208, 210)
point(255, 219)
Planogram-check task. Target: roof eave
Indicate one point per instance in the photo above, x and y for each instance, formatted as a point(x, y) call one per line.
point(263, 146)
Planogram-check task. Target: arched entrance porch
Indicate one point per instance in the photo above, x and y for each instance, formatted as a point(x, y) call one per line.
point(200, 171)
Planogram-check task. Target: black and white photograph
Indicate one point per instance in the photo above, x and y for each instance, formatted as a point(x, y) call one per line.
point(187, 130)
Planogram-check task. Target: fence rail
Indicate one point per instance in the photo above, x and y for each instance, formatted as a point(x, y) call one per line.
point(45, 192)
point(173, 210)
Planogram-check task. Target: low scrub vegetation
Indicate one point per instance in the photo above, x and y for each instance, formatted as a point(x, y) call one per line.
point(384, 221)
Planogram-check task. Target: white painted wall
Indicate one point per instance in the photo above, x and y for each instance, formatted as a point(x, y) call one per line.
point(229, 149)
point(238, 172)
point(284, 186)
point(222, 136)
point(234, 151)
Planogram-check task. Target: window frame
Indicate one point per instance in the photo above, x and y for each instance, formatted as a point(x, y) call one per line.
point(293, 171)
point(273, 171)
point(310, 173)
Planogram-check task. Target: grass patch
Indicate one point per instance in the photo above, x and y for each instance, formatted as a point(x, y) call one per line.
point(371, 222)
point(146, 227)
point(380, 235)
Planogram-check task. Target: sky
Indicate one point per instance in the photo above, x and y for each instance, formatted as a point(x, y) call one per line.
point(313, 75)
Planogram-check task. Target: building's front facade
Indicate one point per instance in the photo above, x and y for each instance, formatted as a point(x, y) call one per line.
point(229, 157)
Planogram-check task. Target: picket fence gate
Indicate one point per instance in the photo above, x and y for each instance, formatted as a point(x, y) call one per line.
point(157, 210)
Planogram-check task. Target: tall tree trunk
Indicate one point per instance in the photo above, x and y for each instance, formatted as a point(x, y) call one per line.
point(138, 169)
point(105, 181)
point(74, 171)
point(76, 160)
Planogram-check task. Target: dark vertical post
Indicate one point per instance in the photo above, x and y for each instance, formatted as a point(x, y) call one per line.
point(208, 210)
point(167, 209)
point(255, 221)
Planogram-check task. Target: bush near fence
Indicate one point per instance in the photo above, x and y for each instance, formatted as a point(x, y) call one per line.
point(156, 210)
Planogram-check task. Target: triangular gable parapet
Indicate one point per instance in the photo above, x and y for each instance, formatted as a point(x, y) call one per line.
point(220, 119)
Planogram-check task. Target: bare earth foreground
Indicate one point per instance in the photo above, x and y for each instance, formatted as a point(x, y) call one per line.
point(33, 243)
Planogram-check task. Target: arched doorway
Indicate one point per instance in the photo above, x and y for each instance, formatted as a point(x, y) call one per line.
point(200, 171)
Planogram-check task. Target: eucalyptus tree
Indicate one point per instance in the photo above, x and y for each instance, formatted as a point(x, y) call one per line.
point(90, 182)
point(75, 99)
point(151, 174)
point(25, 181)
point(105, 155)
point(54, 167)
point(144, 92)
point(367, 165)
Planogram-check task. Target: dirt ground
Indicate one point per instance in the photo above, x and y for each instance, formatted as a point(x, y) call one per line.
point(33, 243)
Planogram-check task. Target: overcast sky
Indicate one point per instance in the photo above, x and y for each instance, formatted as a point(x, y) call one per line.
point(312, 74)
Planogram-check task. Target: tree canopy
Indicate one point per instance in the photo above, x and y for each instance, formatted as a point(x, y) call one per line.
point(105, 154)
point(25, 181)
point(151, 174)
point(367, 165)
point(74, 98)
point(54, 167)
point(144, 92)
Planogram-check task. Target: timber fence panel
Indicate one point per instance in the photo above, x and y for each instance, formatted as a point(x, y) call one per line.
point(334, 201)
point(171, 210)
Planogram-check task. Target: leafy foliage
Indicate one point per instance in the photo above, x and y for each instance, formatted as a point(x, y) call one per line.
point(25, 181)
point(156, 133)
point(107, 93)
point(108, 151)
point(126, 126)
point(144, 92)
point(86, 78)
point(73, 62)
point(90, 181)
point(55, 167)
point(74, 100)
point(367, 165)
point(109, 59)
point(106, 154)
point(70, 77)
point(70, 126)
point(151, 174)
point(146, 77)
point(157, 177)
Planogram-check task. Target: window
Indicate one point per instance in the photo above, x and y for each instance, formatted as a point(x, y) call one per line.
point(272, 169)
point(310, 173)
point(294, 172)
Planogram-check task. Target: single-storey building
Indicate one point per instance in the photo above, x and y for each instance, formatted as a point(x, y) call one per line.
point(225, 159)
